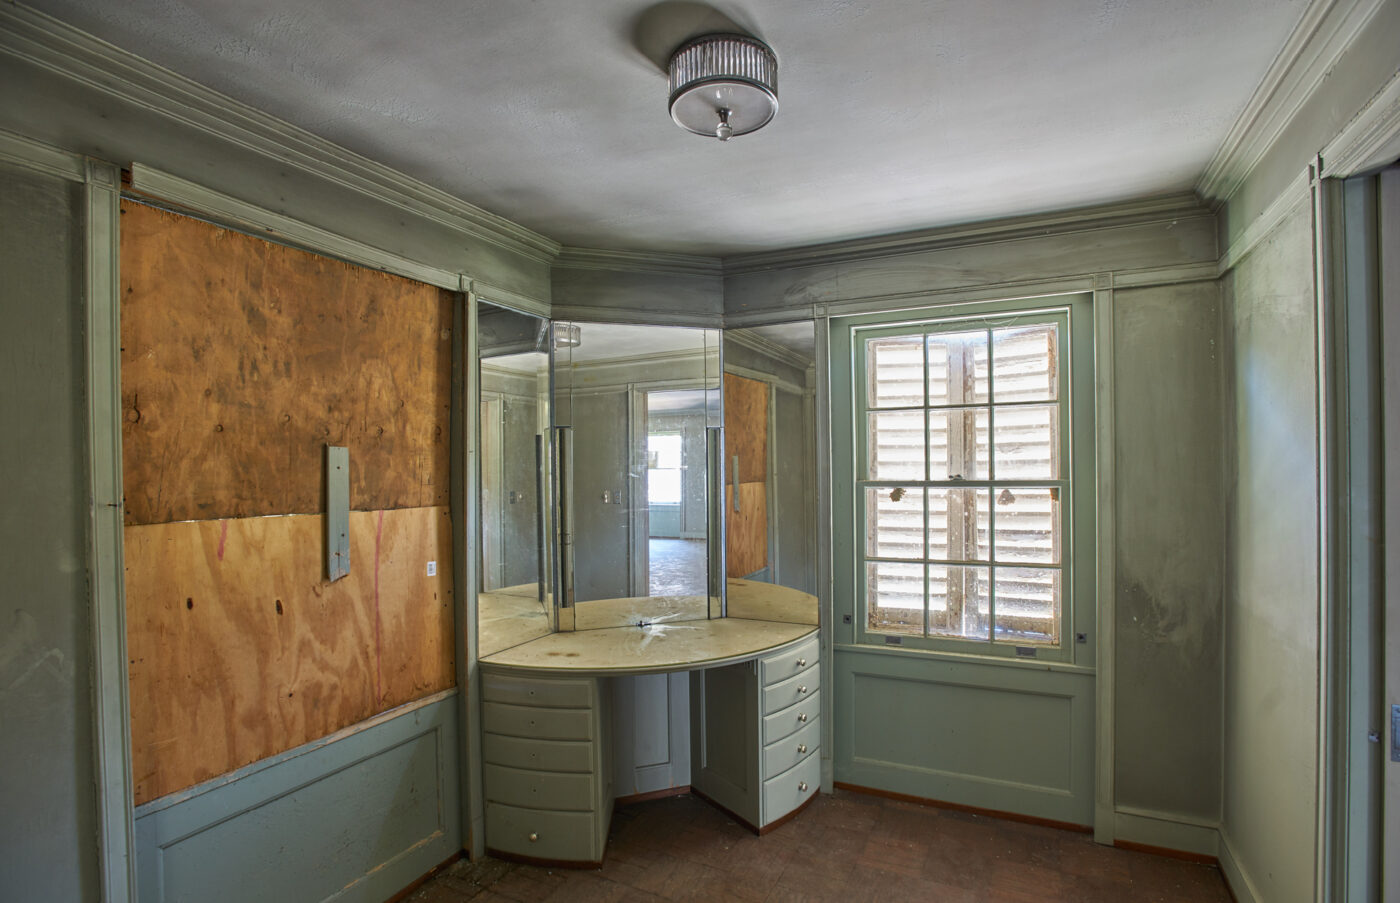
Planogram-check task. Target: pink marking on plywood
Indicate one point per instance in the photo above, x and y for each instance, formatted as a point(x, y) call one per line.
point(223, 537)
point(378, 669)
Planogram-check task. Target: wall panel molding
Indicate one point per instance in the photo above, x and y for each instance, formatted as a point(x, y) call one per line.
point(355, 816)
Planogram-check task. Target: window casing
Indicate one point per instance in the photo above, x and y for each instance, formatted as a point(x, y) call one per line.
point(963, 491)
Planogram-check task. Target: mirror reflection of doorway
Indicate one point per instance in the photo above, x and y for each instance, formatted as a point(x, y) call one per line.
point(675, 491)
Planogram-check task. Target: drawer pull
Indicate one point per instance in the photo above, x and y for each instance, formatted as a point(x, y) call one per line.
point(801, 663)
point(801, 747)
point(801, 690)
point(534, 837)
point(802, 716)
point(801, 786)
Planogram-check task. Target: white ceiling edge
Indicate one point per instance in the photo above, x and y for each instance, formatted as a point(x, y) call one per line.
point(51, 43)
point(1323, 35)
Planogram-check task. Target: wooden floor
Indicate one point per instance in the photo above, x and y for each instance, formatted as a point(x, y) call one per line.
point(844, 847)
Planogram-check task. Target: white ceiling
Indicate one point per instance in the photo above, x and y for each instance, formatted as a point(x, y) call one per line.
point(895, 114)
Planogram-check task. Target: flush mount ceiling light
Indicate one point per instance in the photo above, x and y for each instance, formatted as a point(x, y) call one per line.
point(723, 85)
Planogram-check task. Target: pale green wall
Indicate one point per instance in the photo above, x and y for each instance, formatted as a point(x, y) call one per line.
point(1271, 609)
point(1169, 516)
point(48, 822)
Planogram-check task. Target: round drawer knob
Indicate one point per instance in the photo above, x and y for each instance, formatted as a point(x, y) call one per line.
point(801, 786)
point(534, 837)
point(802, 747)
point(801, 663)
point(802, 716)
point(801, 689)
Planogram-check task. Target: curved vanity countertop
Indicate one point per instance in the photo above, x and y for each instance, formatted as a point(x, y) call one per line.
point(656, 648)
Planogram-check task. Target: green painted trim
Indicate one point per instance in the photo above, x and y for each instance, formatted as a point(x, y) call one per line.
point(467, 473)
point(1105, 502)
point(18, 150)
point(1075, 314)
point(1236, 877)
point(112, 730)
point(280, 227)
point(1167, 830)
point(824, 543)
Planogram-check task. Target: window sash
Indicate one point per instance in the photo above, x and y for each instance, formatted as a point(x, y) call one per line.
point(981, 383)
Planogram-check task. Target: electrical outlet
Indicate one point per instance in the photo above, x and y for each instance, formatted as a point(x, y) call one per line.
point(432, 569)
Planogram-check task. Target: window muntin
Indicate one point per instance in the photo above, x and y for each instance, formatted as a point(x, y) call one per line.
point(961, 469)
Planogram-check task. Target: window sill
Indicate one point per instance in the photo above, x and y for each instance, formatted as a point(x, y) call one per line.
point(965, 658)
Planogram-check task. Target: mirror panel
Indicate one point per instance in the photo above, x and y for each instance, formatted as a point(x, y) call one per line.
point(770, 454)
point(633, 404)
point(514, 603)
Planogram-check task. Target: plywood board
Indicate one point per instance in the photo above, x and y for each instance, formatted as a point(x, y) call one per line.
point(240, 649)
point(746, 427)
point(746, 530)
point(242, 359)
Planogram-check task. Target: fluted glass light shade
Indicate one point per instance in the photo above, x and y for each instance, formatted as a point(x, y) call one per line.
point(723, 85)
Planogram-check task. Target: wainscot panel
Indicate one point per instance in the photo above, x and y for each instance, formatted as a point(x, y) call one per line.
point(357, 816)
point(995, 736)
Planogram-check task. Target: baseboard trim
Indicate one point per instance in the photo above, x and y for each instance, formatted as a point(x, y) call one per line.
point(1236, 878)
point(652, 795)
point(1167, 852)
point(542, 863)
point(426, 877)
point(959, 807)
point(1170, 833)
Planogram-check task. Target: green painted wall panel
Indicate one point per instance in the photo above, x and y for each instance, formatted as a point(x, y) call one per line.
point(1271, 611)
point(355, 819)
point(48, 831)
point(1169, 516)
point(997, 736)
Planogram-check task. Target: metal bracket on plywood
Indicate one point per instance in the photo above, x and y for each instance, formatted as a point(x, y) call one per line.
point(337, 512)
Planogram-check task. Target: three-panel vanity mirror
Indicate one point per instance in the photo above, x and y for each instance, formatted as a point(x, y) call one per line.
point(640, 475)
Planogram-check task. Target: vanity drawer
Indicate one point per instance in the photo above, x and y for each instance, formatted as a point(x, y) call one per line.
point(791, 719)
point(563, 694)
point(794, 661)
point(781, 755)
point(788, 692)
point(564, 836)
point(791, 789)
point(539, 755)
point(539, 789)
point(540, 723)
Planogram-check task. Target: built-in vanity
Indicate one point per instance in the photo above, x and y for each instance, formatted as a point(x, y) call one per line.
point(642, 514)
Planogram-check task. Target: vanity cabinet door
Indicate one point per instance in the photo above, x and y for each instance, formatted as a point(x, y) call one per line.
point(756, 734)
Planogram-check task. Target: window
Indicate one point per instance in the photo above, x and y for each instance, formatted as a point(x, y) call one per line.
point(665, 467)
point(961, 502)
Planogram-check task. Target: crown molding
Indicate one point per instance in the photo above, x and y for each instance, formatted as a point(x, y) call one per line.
point(755, 342)
point(21, 151)
point(1297, 193)
point(187, 197)
point(638, 262)
point(44, 41)
point(1147, 210)
point(1370, 140)
point(1324, 33)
